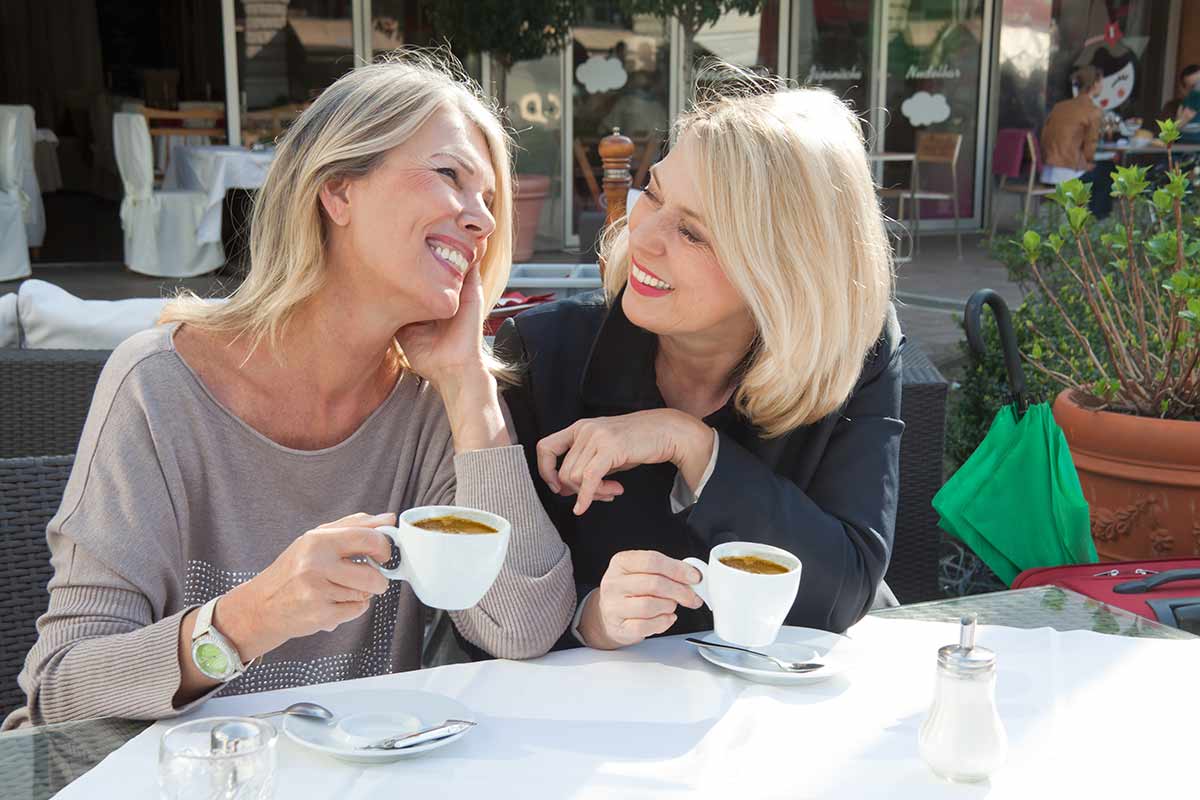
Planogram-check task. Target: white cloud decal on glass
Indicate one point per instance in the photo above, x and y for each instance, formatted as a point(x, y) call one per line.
point(924, 108)
point(601, 74)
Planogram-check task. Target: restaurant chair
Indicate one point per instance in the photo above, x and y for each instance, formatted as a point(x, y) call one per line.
point(160, 226)
point(31, 490)
point(196, 125)
point(1016, 147)
point(34, 212)
point(14, 242)
point(933, 149)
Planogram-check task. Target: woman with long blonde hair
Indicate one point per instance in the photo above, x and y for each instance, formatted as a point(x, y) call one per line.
point(739, 379)
point(238, 458)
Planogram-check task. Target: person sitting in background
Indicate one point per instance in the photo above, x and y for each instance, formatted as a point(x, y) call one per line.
point(1189, 101)
point(1170, 110)
point(1069, 140)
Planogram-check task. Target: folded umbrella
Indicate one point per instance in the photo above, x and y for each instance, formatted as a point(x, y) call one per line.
point(1017, 501)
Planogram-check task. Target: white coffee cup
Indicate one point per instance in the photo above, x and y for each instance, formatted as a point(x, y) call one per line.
point(748, 607)
point(451, 571)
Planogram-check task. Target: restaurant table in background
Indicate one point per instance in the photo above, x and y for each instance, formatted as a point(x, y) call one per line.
point(214, 170)
point(655, 720)
point(1134, 148)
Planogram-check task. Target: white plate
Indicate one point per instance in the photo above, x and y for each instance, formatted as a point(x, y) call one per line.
point(836, 652)
point(367, 716)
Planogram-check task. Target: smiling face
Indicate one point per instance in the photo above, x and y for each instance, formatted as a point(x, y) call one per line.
point(1116, 88)
point(676, 285)
point(412, 226)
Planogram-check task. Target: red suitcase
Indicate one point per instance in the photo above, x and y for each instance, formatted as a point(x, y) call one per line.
point(1165, 591)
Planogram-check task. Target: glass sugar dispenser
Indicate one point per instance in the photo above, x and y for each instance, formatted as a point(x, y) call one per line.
point(963, 739)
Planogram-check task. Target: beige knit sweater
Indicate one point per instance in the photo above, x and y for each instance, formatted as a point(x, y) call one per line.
point(173, 500)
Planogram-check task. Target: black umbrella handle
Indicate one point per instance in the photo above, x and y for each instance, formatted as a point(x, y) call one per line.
point(973, 319)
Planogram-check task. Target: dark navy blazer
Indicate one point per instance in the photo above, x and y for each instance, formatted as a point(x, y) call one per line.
point(825, 492)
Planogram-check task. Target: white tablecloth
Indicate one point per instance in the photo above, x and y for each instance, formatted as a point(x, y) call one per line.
point(214, 170)
point(1088, 716)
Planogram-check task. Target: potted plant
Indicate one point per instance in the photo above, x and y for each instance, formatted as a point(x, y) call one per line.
point(1130, 399)
point(509, 31)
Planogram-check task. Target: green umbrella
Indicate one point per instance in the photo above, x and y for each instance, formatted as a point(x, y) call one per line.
point(1017, 501)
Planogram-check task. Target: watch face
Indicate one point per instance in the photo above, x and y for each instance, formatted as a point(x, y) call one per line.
point(212, 660)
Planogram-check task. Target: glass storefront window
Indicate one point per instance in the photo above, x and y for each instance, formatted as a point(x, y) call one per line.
point(934, 50)
point(1127, 41)
point(535, 112)
point(288, 52)
point(620, 69)
point(748, 40)
point(833, 45)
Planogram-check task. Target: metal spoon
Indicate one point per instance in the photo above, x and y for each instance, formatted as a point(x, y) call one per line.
point(307, 710)
point(786, 666)
point(451, 727)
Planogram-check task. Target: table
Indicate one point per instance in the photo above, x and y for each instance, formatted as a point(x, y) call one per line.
point(1119, 151)
point(36, 763)
point(886, 157)
point(214, 170)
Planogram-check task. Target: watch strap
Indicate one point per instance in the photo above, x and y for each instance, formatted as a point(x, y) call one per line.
point(204, 619)
point(204, 628)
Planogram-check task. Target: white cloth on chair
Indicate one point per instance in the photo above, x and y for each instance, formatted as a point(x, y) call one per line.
point(160, 227)
point(14, 245)
point(34, 213)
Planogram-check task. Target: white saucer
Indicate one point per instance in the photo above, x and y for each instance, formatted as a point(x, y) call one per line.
point(362, 717)
point(836, 652)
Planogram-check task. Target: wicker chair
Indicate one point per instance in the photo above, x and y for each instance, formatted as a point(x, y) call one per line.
point(44, 399)
point(31, 490)
point(912, 575)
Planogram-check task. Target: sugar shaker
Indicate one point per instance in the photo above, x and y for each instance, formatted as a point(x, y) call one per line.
point(963, 738)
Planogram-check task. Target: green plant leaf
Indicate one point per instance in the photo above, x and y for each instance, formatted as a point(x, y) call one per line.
point(1077, 216)
point(1129, 182)
point(1168, 131)
point(1164, 201)
point(1032, 242)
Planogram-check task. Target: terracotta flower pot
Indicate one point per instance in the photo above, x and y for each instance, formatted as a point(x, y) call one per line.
point(1141, 477)
point(531, 194)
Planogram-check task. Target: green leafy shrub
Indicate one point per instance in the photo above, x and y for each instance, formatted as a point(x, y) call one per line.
point(1159, 221)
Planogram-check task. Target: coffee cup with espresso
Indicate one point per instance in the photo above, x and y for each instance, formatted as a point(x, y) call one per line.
point(450, 555)
point(750, 589)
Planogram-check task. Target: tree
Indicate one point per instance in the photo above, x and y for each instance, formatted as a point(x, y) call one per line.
point(692, 15)
point(510, 30)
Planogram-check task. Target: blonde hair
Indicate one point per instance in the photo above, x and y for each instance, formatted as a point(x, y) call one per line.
point(787, 194)
point(345, 133)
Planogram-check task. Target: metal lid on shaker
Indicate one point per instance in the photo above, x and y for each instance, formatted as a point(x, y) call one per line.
point(965, 658)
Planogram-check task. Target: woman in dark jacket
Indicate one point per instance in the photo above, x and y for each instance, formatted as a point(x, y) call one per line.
point(738, 381)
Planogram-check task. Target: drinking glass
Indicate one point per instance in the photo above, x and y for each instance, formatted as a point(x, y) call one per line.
point(221, 758)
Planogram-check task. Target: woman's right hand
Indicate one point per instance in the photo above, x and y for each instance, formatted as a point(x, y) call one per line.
point(637, 598)
point(312, 586)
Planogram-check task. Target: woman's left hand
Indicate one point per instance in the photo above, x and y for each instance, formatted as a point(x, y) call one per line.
point(449, 354)
point(595, 448)
point(445, 350)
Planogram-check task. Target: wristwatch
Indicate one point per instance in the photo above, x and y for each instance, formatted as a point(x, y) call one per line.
point(212, 653)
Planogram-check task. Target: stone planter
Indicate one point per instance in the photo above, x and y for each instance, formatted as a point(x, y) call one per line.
point(531, 194)
point(1141, 478)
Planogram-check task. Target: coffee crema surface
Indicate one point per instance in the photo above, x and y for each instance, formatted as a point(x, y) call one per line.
point(453, 525)
point(754, 564)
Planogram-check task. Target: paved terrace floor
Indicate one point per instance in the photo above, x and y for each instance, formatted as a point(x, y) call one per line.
point(932, 288)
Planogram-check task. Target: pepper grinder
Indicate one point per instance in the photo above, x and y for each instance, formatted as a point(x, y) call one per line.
point(963, 738)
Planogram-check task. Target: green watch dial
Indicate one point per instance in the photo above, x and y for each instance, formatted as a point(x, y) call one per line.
point(211, 659)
